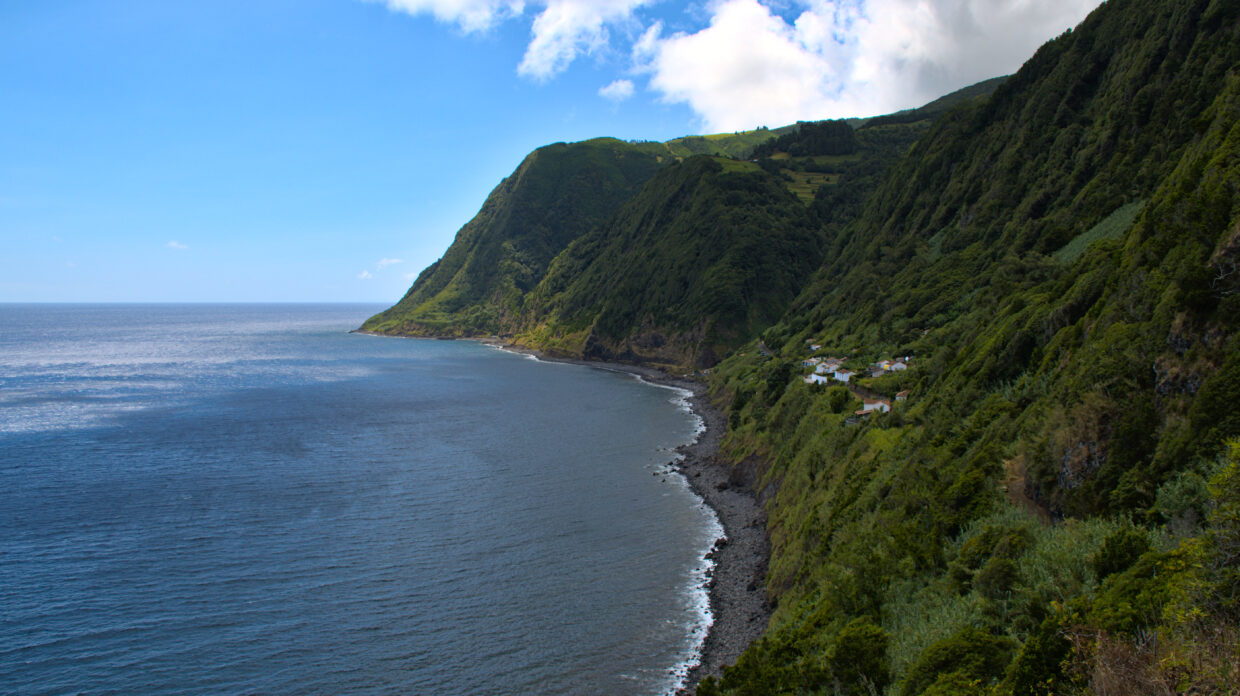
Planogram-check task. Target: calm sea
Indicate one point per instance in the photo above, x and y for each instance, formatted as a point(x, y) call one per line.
point(207, 499)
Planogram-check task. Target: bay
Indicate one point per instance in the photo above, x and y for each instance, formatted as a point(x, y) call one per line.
point(249, 499)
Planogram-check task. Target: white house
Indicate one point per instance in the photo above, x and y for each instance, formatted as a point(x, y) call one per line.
point(902, 396)
point(898, 365)
point(816, 379)
point(811, 362)
point(843, 375)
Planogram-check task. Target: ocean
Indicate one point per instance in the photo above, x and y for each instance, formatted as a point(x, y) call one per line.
point(206, 499)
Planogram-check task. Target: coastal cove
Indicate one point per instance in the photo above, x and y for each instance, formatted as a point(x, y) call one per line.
point(250, 498)
point(739, 606)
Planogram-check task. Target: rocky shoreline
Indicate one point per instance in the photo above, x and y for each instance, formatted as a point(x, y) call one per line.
point(737, 590)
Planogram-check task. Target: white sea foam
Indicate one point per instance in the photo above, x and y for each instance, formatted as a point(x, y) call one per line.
point(682, 399)
point(696, 594)
point(697, 599)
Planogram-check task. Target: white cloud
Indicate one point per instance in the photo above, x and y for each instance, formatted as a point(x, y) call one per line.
point(176, 245)
point(811, 59)
point(410, 276)
point(617, 91)
point(389, 262)
point(561, 31)
point(568, 28)
point(469, 15)
point(748, 68)
point(751, 67)
point(364, 275)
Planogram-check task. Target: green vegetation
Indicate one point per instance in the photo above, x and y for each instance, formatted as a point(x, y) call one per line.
point(557, 194)
point(722, 144)
point(703, 258)
point(1036, 512)
point(1054, 509)
point(496, 278)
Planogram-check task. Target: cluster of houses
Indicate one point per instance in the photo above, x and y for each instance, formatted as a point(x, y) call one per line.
point(832, 369)
point(826, 369)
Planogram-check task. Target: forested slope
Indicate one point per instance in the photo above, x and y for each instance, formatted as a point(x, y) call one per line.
point(639, 274)
point(558, 193)
point(707, 255)
point(1057, 488)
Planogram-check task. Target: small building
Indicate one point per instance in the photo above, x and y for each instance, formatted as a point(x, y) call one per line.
point(816, 379)
point(902, 396)
point(843, 375)
point(815, 346)
point(825, 369)
point(880, 405)
point(898, 366)
point(811, 362)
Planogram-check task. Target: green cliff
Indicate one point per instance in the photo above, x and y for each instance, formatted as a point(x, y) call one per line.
point(1052, 509)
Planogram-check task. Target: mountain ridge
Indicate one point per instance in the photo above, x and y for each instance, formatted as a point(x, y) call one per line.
point(561, 194)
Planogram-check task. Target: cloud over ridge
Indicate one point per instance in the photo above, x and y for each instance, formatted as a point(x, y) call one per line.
point(838, 58)
point(772, 62)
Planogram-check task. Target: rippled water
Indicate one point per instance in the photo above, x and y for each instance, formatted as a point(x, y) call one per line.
point(248, 499)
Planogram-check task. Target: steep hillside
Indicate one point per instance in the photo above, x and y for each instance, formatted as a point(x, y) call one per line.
point(1057, 263)
point(712, 251)
point(708, 254)
point(558, 193)
point(562, 193)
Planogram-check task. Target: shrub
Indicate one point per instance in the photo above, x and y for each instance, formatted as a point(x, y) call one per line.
point(1039, 666)
point(995, 579)
point(969, 655)
point(859, 660)
point(1119, 551)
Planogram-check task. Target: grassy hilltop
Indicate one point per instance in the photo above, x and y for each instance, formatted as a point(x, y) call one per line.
point(1052, 508)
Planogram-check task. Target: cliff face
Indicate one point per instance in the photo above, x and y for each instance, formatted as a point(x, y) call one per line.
point(707, 254)
point(585, 252)
point(557, 194)
point(1058, 261)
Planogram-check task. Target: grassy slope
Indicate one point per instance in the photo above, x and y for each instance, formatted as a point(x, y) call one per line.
point(723, 144)
point(1091, 391)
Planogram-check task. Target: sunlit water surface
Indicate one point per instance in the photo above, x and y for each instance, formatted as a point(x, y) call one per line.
point(212, 499)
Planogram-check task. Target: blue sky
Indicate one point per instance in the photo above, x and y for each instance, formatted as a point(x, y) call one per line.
point(328, 150)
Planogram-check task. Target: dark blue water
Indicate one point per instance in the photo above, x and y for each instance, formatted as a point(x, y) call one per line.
point(249, 499)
